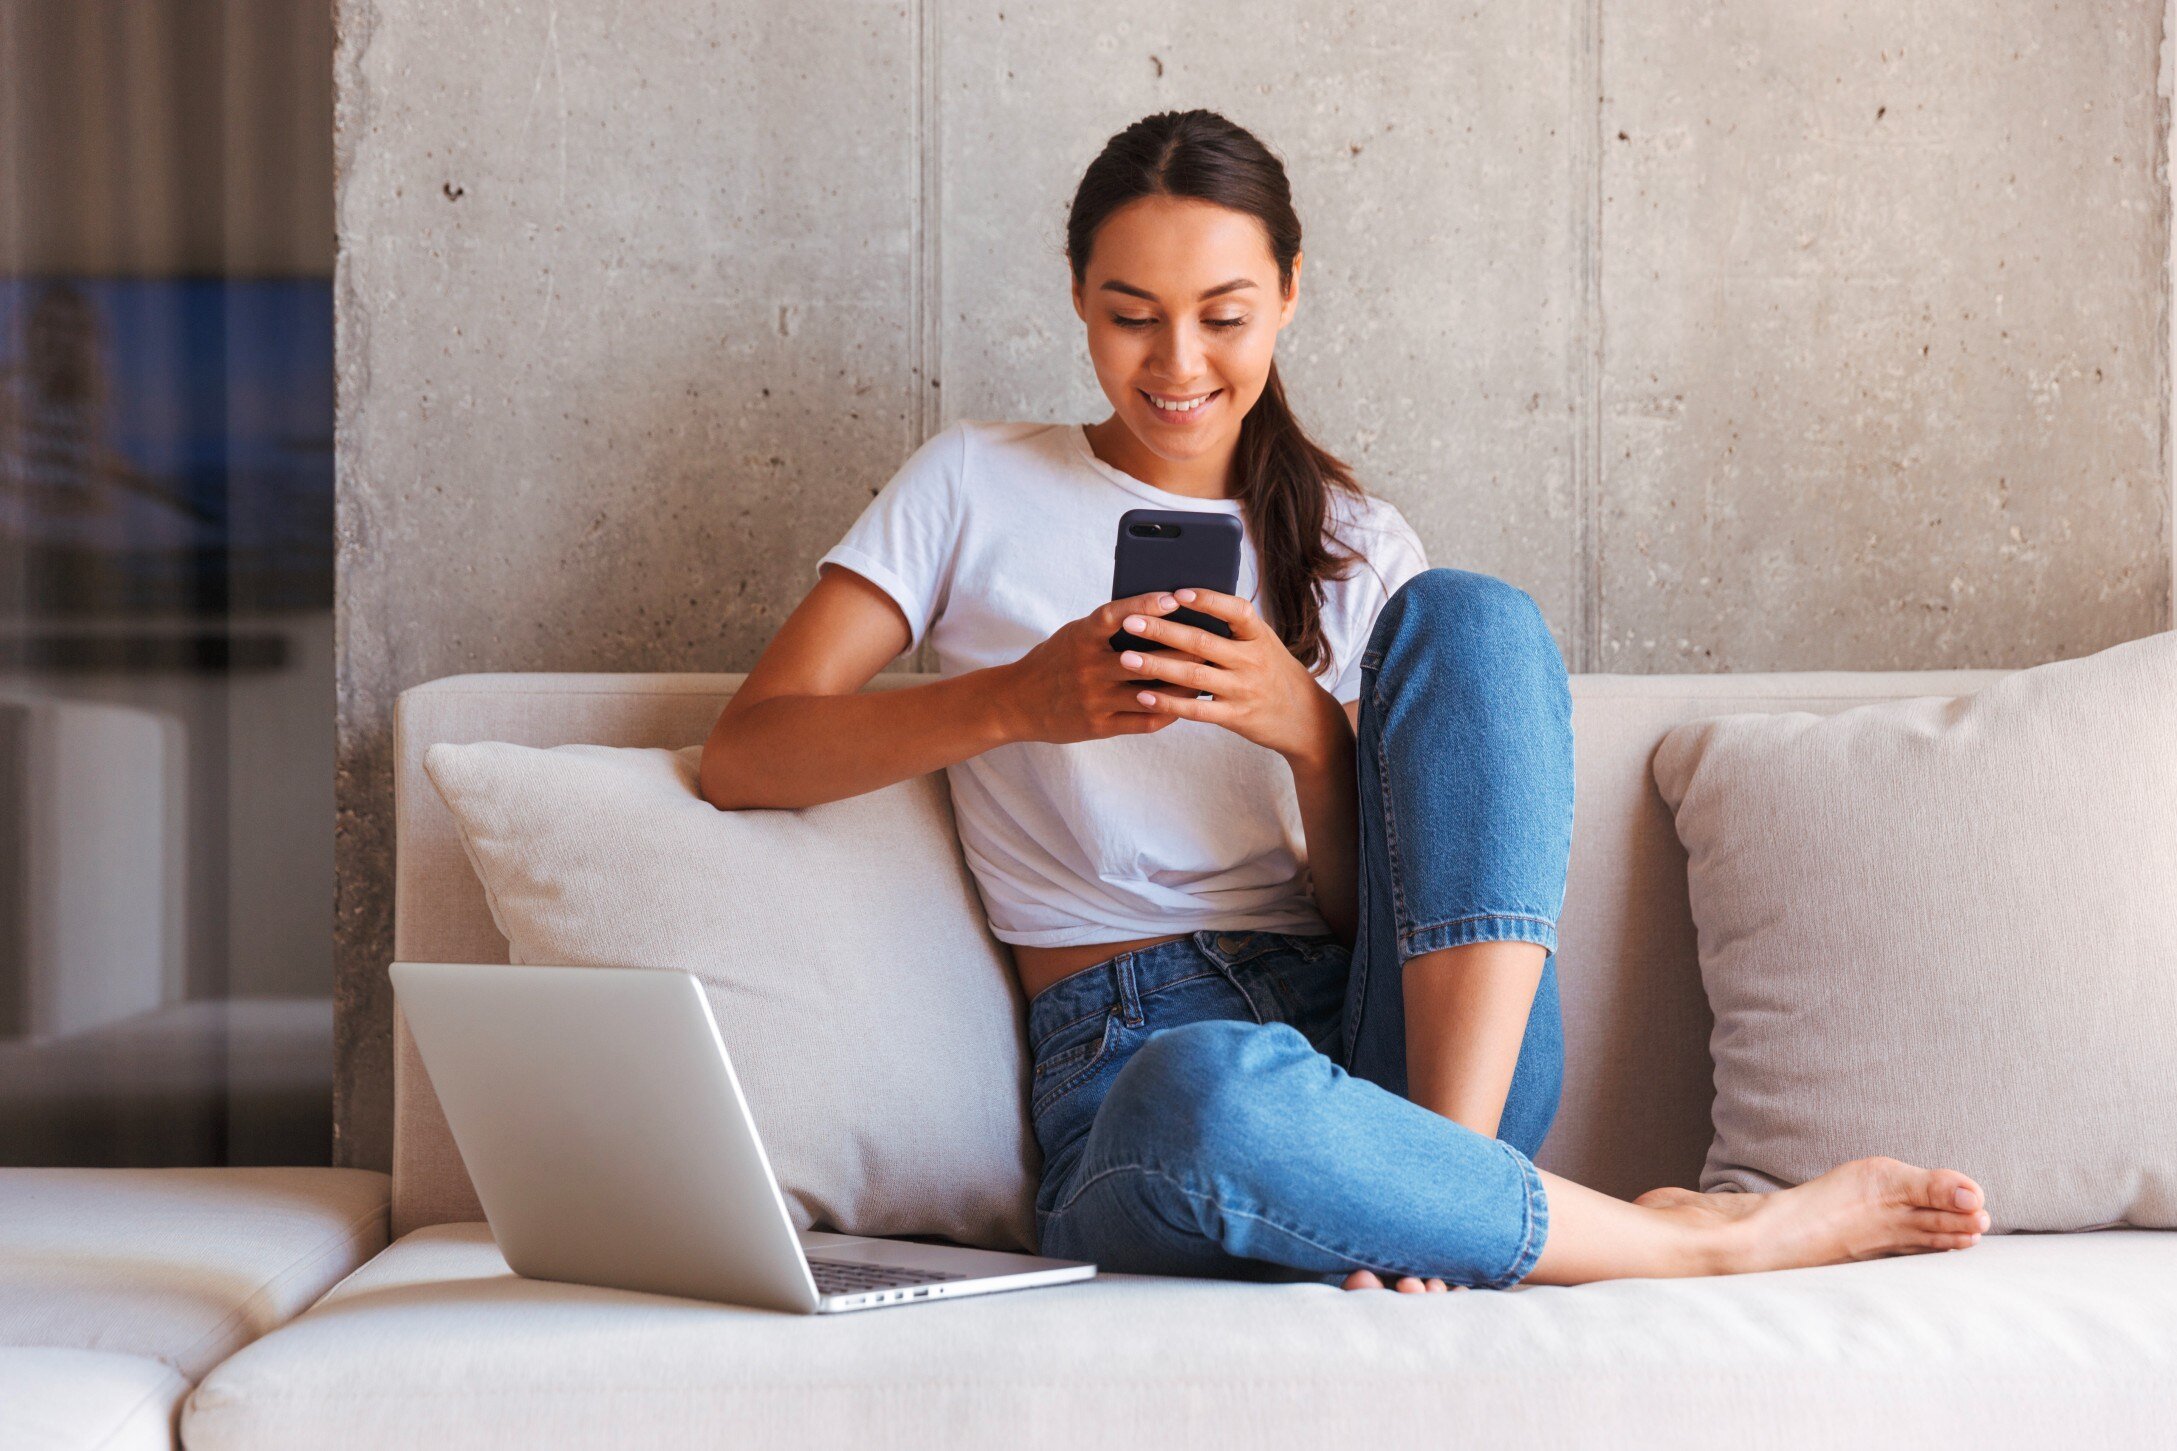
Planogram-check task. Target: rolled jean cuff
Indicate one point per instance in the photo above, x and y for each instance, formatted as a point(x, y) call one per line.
point(1481, 927)
point(1535, 1227)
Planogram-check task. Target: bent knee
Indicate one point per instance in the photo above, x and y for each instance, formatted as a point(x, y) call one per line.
point(1461, 611)
point(1460, 596)
point(1205, 1090)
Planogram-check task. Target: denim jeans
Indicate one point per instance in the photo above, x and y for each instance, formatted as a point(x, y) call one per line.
point(1233, 1104)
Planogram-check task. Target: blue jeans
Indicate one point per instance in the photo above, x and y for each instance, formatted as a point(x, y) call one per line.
point(1233, 1104)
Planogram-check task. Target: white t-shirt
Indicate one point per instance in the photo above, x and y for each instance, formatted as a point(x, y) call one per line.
point(993, 535)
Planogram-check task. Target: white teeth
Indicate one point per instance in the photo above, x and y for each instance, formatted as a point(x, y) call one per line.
point(1187, 407)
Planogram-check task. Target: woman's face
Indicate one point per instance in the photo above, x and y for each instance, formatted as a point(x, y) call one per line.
point(1181, 301)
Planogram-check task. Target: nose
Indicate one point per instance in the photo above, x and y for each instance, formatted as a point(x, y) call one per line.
point(1180, 358)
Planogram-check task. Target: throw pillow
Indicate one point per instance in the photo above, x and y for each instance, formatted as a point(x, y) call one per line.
point(873, 1021)
point(1946, 930)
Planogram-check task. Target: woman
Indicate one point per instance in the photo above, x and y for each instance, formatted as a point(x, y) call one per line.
point(1286, 919)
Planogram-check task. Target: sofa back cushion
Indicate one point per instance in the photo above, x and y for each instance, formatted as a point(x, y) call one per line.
point(1638, 1082)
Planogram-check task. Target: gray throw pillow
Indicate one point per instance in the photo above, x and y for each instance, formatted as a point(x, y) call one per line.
point(874, 1023)
point(1946, 930)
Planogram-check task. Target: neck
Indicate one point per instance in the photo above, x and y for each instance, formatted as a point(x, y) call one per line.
point(1208, 476)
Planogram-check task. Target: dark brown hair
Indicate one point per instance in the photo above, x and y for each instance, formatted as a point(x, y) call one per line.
point(1285, 479)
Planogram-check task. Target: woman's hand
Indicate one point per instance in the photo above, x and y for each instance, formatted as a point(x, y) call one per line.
point(1260, 691)
point(1071, 686)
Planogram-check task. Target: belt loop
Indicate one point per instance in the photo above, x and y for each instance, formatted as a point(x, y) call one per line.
point(1129, 995)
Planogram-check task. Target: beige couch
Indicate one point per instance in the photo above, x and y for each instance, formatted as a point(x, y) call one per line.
point(2024, 1340)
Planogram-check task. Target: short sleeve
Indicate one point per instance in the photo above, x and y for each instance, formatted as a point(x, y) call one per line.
point(903, 543)
point(1391, 554)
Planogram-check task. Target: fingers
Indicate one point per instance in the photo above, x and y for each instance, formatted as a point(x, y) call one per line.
point(1238, 613)
point(1156, 602)
point(1181, 706)
point(1176, 667)
point(1214, 648)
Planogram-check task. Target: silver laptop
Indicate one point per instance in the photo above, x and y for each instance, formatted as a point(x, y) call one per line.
point(606, 1134)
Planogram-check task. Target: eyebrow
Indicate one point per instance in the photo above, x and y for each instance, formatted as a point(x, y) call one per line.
point(1218, 291)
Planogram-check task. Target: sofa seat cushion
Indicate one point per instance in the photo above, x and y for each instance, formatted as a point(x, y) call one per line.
point(2056, 1339)
point(58, 1399)
point(182, 1266)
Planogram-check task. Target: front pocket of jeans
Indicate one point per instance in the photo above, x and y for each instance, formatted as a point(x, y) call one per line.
point(1058, 1073)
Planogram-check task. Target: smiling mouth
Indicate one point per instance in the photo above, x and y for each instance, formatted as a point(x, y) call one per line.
point(1186, 409)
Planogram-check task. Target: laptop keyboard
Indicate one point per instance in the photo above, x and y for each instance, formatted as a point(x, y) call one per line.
point(847, 1277)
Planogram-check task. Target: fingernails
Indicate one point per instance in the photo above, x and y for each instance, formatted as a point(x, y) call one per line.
point(1165, 602)
point(1130, 660)
point(1145, 697)
point(1134, 622)
point(1187, 595)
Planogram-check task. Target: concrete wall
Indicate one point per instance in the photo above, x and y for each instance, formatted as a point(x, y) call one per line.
point(1746, 338)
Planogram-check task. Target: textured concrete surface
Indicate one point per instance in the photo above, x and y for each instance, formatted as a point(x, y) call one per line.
point(1884, 379)
point(1435, 172)
point(639, 306)
point(622, 342)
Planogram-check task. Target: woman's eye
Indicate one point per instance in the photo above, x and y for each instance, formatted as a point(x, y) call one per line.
point(1216, 322)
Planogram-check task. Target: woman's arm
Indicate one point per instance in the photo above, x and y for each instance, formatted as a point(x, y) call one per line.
point(1324, 782)
point(800, 731)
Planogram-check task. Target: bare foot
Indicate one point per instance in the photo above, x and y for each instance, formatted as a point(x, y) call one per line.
point(1409, 1284)
point(1726, 1204)
point(1863, 1210)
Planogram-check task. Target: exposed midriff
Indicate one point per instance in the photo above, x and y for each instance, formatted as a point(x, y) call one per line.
point(1039, 967)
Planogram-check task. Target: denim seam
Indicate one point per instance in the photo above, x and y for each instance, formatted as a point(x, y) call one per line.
point(1297, 1232)
point(1107, 1007)
point(1232, 976)
point(1536, 1211)
point(1066, 1059)
point(1478, 927)
point(1390, 822)
point(1147, 1171)
point(1079, 1076)
point(1097, 1011)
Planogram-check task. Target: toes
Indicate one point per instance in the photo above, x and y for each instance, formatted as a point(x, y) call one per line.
point(1942, 1221)
point(1405, 1284)
point(1947, 1189)
point(1951, 1241)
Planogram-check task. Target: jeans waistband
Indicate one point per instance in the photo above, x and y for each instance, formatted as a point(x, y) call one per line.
point(1119, 982)
point(1123, 981)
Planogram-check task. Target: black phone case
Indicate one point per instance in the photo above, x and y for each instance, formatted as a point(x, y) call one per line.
point(1203, 554)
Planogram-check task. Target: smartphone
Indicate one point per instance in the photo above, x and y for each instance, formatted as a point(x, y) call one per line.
point(1170, 549)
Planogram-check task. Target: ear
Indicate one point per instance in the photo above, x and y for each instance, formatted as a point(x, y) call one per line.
point(1079, 310)
point(1292, 293)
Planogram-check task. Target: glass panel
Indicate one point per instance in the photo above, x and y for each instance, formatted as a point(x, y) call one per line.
point(166, 572)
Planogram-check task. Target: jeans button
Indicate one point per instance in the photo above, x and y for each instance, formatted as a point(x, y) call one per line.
point(1230, 941)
